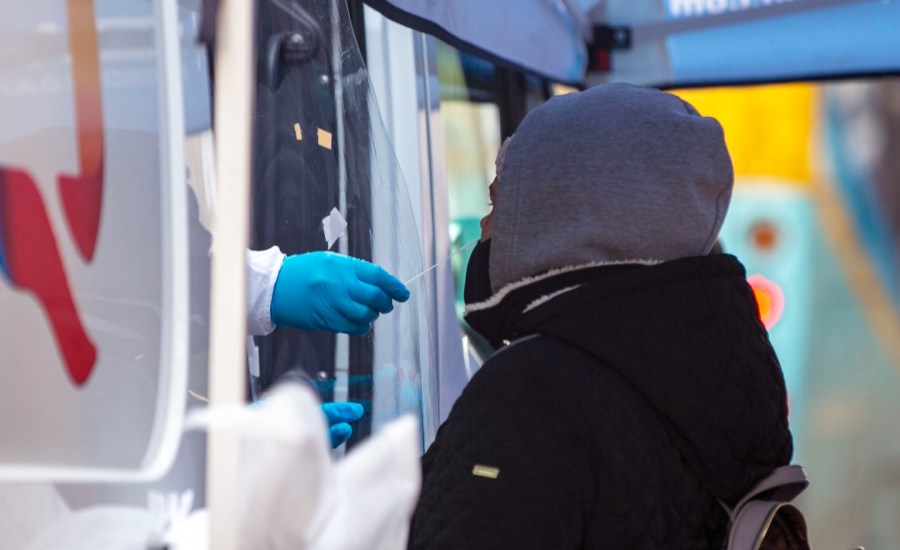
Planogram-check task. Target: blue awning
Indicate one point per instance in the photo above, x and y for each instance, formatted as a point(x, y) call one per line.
point(670, 42)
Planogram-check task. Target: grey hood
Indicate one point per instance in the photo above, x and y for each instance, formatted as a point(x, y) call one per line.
point(616, 173)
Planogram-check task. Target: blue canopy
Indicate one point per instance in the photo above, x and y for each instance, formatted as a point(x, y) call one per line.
point(668, 42)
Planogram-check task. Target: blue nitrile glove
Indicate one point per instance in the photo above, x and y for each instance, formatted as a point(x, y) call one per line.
point(328, 291)
point(338, 415)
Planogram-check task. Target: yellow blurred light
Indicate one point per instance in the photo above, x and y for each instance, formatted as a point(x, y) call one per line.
point(768, 129)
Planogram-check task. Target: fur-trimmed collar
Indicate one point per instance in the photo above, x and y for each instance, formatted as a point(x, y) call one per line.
point(498, 296)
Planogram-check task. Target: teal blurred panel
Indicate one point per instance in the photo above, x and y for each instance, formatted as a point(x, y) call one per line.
point(851, 451)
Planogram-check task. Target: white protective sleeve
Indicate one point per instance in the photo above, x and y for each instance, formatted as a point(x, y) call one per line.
point(262, 272)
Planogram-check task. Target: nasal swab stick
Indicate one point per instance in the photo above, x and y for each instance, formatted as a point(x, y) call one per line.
point(447, 259)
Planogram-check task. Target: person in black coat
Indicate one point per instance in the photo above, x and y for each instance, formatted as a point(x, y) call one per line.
point(634, 390)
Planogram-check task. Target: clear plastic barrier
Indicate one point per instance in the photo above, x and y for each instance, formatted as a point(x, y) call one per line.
point(320, 145)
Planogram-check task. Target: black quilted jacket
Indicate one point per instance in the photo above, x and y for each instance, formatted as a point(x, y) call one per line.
point(627, 405)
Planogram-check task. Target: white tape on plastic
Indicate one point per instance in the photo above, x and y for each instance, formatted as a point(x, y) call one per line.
point(334, 225)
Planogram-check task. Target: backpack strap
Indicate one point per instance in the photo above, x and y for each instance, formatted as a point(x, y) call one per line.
point(751, 518)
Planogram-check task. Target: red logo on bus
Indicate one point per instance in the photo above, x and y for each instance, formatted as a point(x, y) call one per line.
point(29, 254)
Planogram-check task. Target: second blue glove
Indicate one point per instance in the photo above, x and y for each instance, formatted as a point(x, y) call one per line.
point(339, 416)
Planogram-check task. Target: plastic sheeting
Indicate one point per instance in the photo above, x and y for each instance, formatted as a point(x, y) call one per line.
point(319, 146)
point(292, 494)
point(673, 42)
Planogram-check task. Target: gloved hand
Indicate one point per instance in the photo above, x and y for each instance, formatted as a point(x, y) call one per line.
point(338, 415)
point(328, 291)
